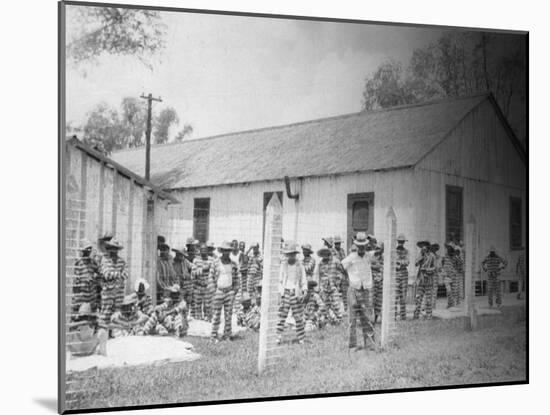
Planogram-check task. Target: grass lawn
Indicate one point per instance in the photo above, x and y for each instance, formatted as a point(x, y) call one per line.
point(426, 353)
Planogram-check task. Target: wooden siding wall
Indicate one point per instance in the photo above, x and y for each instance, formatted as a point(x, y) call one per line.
point(236, 211)
point(113, 203)
point(479, 157)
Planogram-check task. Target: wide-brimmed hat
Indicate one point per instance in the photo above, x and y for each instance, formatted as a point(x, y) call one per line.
point(225, 246)
point(140, 281)
point(210, 244)
point(307, 247)
point(291, 248)
point(422, 244)
point(86, 246)
point(434, 247)
point(163, 246)
point(337, 239)
point(130, 299)
point(113, 244)
point(361, 239)
point(106, 237)
point(329, 240)
point(254, 245)
point(323, 249)
point(311, 284)
point(401, 237)
point(191, 241)
point(182, 251)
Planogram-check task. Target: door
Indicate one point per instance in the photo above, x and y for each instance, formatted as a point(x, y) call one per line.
point(201, 218)
point(360, 215)
point(454, 222)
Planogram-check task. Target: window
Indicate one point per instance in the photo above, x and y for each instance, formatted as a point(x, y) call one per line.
point(201, 218)
point(515, 223)
point(360, 215)
point(454, 214)
point(267, 199)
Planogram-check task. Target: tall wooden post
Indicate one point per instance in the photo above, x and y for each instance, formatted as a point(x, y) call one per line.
point(268, 348)
point(389, 278)
point(470, 269)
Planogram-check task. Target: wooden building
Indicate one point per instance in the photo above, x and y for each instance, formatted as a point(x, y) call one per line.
point(436, 164)
point(104, 197)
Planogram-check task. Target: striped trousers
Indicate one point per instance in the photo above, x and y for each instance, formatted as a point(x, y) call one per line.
point(333, 304)
point(378, 285)
point(222, 299)
point(425, 289)
point(289, 301)
point(164, 325)
point(493, 289)
point(107, 306)
point(200, 295)
point(358, 303)
point(187, 291)
point(402, 277)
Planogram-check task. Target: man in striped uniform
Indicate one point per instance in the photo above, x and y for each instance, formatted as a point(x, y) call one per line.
point(520, 273)
point(85, 288)
point(170, 316)
point(254, 273)
point(314, 313)
point(493, 265)
point(144, 300)
point(129, 320)
point(402, 276)
point(308, 262)
point(340, 254)
point(425, 277)
point(201, 285)
point(166, 275)
point(112, 276)
point(327, 273)
point(183, 268)
point(292, 287)
point(377, 268)
point(437, 274)
point(358, 267)
point(224, 274)
point(450, 275)
point(191, 244)
point(243, 267)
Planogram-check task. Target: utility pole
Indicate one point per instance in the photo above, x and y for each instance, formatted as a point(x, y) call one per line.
point(150, 100)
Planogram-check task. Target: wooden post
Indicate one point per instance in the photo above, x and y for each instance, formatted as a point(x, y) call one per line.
point(267, 351)
point(470, 265)
point(389, 277)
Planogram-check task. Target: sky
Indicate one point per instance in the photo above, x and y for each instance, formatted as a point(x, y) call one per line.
point(233, 73)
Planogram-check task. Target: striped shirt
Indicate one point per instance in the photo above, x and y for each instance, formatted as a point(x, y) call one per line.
point(183, 270)
point(201, 270)
point(217, 268)
point(402, 260)
point(113, 269)
point(166, 275)
point(255, 269)
point(448, 266)
point(145, 304)
point(170, 307)
point(493, 264)
point(85, 288)
point(328, 274)
point(309, 266)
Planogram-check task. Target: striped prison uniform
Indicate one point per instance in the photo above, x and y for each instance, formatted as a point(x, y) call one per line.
point(202, 295)
point(250, 318)
point(254, 275)
point(128, 324)
point(437, 276)
point(309, 266)
point(520, 272)
point(225, 279)
point(183, 269)
point(166, 277)
point(460, 261)
point(425, 283)
point(343, 285)
point(402, 277)
point(85, 288)
point(377, 266)
point(168, 317)
point(358, 301)
point(243, 272)
point(314, 312)
point(492, 265)
point(145, 304)
point(328, 274)
point(450, 276)
point(292, 287)
point(112, 279)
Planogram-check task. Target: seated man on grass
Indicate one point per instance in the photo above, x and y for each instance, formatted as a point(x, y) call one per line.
point(129, 320)
point(170, 317)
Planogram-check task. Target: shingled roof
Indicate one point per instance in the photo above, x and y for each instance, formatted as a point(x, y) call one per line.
point(383, 139)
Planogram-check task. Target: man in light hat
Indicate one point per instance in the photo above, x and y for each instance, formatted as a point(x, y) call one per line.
point(255, 269)
point(425, 279)
point(144, 300)
point(170, 316)
point(202, 296)
point(358, 267)
point(166, 275)
point(328, 275)
point(308, 262)
point(183, 269)
point(337, 246)
point(112, 279)
point(129, 320)
point(85, 288)
point(402, 276)
point(292, 287)
point(224, 274)
point(493, 264)
point(211, 250)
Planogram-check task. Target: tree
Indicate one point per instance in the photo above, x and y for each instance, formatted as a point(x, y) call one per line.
point(94, 31)
point(134, 118)
point(104, 130)
point(187, 130)
point(162, 123)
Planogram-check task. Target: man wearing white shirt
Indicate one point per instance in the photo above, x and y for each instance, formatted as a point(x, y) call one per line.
point(358, 266)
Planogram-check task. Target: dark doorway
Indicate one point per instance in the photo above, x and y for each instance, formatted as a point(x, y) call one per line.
point(360, 214)
point(454, 214)
point(201, 218)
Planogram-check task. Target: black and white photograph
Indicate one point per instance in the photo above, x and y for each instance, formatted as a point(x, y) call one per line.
point(260, 207)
